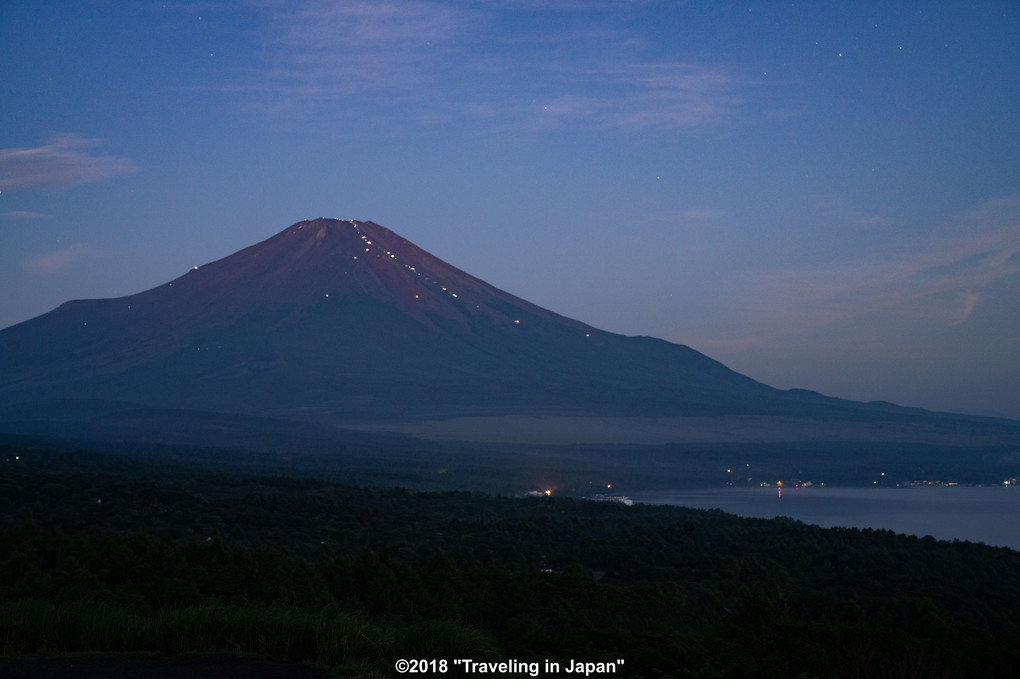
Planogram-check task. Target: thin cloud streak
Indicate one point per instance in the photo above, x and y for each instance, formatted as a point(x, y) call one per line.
point(939, 286)
point(415, 56)
point(327, 50)
point(673, 94)
point(60, 260)
point(687, 216)
point(643, 95)
point(62, 162)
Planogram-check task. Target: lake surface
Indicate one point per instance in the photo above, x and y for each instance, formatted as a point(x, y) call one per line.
point(987, 514)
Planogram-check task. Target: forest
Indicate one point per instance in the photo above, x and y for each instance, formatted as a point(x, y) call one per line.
point(113, 554)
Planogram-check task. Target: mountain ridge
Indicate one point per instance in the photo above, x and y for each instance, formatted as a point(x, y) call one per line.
point(343, 321)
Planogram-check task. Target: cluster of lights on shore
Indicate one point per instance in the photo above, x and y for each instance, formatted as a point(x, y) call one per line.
point(798, 484)
point(548, 491)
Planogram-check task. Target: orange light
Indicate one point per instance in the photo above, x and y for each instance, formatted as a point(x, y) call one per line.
point(548, 492)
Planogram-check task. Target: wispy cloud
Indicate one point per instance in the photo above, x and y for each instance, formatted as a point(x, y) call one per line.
point(323, 50)
point(672, 94)
point(699, 214)
point(568, 5)
point(939, 285)
point(60, 260)
point(443, 60)
point(64, 161)
point(22, 214)
point(686, 216)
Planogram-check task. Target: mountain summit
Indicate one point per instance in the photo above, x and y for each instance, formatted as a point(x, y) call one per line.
point(342, 321)
point(340, 259)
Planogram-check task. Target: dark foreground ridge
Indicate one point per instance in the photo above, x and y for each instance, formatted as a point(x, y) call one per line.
point(352, 579)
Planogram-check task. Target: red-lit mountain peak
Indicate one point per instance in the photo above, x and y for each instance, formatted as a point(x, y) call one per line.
point(336, 259)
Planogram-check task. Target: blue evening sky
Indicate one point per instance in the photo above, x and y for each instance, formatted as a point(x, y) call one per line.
point(819, 194)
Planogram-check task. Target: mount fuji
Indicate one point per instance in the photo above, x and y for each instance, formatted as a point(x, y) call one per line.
point(343, 321)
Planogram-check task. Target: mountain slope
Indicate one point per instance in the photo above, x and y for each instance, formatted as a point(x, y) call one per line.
point(344, 321)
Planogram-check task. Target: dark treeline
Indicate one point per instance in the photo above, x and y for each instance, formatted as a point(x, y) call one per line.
point(158, 559)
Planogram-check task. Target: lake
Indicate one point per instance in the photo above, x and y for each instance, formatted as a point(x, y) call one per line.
point(985, 514)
